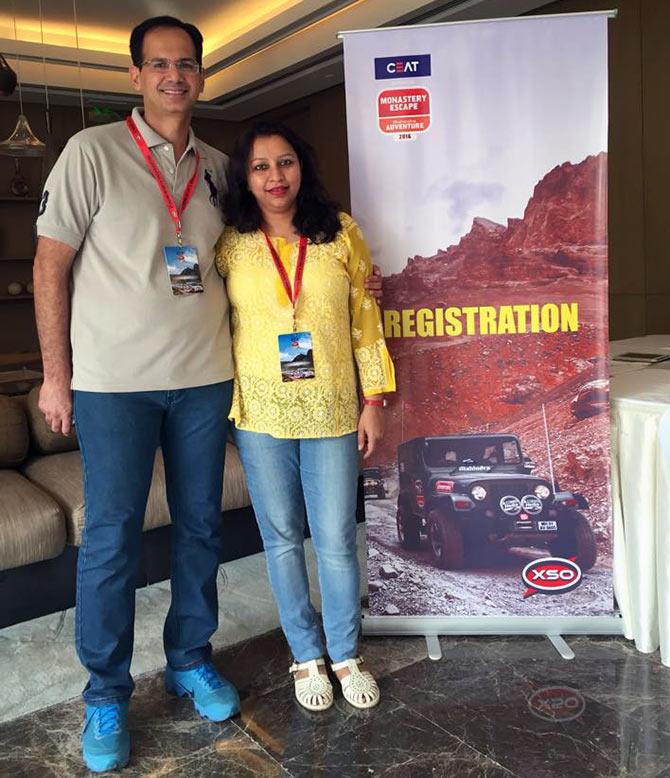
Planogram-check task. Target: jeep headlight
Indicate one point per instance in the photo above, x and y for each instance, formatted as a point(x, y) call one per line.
point(479, 493)
point(542, 491)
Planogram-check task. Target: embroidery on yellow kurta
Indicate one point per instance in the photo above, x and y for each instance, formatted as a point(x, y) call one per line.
point(343, 319)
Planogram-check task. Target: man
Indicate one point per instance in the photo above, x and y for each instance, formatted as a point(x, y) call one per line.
point(150, 364)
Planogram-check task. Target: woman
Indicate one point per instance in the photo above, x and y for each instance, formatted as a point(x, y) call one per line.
point(303, 326)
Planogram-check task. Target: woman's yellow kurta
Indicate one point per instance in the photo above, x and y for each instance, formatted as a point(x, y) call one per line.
point(344, 321)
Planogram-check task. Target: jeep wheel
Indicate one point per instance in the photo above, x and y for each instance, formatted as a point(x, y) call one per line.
point(446, 540)
point(576, 539)
point(408, 529)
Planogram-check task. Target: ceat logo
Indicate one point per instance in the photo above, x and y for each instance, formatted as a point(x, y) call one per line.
point(405, 66)
point(557, 703)
point(551, 575)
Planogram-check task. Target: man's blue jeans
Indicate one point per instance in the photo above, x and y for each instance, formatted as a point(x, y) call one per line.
point(324, 471)
point(118, 436)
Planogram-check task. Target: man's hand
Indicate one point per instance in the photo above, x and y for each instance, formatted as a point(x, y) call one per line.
point(373, 284)
point(55, 402)
point(51, 275)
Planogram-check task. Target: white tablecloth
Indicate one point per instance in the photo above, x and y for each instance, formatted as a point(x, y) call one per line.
point(641, 494)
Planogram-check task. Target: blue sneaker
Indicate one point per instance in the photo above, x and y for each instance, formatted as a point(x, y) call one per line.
point(105, 742)
point(214, 698)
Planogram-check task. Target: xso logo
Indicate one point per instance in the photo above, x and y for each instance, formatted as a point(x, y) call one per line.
point(410, 66)
point(557, 703)
point(551, 575)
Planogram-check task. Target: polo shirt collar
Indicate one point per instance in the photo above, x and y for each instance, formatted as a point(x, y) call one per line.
point(151, 137)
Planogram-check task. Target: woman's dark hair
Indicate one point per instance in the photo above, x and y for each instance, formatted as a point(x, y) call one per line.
point(316, 214)
point(137, 36)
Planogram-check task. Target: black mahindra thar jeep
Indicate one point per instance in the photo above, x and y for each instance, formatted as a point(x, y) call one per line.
point(464, 491)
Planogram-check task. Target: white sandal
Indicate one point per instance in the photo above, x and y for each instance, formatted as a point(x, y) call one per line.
point(314, 691)
point(359, 687)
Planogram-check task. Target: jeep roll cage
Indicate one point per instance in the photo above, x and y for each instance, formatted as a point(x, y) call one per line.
point(453, 451)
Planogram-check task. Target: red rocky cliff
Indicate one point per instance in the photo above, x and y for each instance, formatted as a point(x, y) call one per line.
point(559, 236)
point(562, 210)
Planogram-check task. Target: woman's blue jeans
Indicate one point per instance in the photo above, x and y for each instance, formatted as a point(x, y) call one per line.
point(118, 436)
point(285, 476)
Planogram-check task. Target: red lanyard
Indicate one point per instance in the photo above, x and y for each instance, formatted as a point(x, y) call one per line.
point(175, 214)
point(292, 294)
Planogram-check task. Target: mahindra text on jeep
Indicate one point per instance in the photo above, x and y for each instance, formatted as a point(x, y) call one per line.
point(463, 491)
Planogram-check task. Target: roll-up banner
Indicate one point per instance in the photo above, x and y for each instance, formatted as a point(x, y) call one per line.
point(478, 164)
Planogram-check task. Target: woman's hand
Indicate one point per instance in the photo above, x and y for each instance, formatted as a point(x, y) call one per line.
point(373, 284)
point(370, 429)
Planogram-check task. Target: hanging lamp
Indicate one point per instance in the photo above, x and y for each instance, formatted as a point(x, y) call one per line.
point(22, 142)
point(76, 39)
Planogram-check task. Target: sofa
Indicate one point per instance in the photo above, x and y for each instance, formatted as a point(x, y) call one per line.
point(42, 515)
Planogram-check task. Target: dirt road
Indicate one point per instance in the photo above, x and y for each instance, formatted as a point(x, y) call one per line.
point(492, 588)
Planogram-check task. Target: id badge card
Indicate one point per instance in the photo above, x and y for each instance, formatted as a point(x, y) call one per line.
point(296, 358)
point(183, 269)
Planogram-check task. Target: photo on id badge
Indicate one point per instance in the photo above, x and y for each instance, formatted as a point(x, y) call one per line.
point(295, 356)
point(183, 269)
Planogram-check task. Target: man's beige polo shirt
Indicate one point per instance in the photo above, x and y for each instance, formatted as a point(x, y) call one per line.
point(129, 332)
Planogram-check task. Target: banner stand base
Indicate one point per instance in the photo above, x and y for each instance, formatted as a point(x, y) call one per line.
point(557, 641)
point(433, 647)
point(561, 646)
point(431, 627)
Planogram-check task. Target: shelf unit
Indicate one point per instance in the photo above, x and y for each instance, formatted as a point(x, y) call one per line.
point(22, 359)
point(18, 331)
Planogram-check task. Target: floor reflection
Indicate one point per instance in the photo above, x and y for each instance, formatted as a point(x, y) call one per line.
point(490, 707)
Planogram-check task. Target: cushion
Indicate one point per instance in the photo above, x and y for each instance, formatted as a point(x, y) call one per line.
point(32, 526)
point(60, 476)
point(43, 439)
point(14, 438)
point(235, 493)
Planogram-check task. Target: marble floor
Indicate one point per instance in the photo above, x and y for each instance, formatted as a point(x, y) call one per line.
point(39, 664)
point(490, 707)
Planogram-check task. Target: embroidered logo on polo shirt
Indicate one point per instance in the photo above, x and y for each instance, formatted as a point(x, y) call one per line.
point(43, 202)
point(213, 191)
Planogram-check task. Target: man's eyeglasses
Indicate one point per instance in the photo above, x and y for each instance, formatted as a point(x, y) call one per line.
point(160, 65)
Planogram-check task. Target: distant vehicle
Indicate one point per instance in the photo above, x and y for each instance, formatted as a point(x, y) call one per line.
point(591, 399)
point(466, 491)
point(373, 483)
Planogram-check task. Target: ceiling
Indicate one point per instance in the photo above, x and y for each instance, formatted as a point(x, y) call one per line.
point(258, 53)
